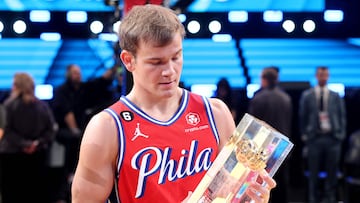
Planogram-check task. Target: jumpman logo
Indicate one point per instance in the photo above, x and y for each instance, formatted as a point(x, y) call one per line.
point(138, 133)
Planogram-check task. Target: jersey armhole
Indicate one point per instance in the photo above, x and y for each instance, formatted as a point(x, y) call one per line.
point(121, 139)
point(211, 119)
point(114, 196)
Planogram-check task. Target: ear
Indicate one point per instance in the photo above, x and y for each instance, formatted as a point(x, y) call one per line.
point(128, 60)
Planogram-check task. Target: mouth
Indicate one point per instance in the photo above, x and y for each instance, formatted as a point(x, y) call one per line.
point(167, 84)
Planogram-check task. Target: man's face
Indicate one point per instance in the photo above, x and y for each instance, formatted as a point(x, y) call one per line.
point(157, 70)
point(322, 76)
point(75, 74)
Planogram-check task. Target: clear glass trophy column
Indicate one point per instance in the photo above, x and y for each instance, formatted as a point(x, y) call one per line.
point(254, 146)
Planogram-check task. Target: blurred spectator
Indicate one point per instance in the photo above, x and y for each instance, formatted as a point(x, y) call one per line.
point(224, 92)
point(2, 120)
point(275, 68)
point(274, 106)
point(267, 103)
point(352, 168)
point(2, 126)
point(322, 123)
point(73, 104)
point(30, 129)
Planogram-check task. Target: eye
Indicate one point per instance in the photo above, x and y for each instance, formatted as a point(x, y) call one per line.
point(177, 56)
point(154, 62)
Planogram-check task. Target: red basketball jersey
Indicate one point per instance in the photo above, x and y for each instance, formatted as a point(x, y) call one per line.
point(161, 161)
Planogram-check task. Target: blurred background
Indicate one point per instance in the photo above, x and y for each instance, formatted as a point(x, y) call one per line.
point(232, 39)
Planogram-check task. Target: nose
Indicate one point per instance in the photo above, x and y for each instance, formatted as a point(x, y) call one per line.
point(168, 69)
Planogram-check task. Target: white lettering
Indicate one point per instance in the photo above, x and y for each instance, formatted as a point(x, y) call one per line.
point(188, 164)
point(143, 167)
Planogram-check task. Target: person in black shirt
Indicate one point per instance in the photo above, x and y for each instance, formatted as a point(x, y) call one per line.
point(74, 102)
point(30, 128)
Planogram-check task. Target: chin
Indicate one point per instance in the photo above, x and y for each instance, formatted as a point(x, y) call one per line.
point(169, 92)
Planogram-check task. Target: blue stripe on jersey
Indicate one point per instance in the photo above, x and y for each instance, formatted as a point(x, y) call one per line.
point(114, 197)
point(183, 104)
point(211, 119)
point(121, 138)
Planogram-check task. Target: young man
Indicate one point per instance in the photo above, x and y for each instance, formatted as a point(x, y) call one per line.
point(266, 105)
point(156, 143)
point(322, 117)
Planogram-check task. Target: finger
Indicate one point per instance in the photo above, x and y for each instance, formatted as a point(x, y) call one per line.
point(258, 196)
point(269, 181)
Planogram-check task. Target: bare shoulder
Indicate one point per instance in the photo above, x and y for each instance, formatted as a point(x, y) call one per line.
point(217, 104)
point(100, 133)
point(223, 119)
point(95, 172)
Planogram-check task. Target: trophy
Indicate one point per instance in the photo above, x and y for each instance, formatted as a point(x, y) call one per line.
point(253, 146)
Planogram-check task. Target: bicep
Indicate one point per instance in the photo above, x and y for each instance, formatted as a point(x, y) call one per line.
point(94, 176)
point(223, 120)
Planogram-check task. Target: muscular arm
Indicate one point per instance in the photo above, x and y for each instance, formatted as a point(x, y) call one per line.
point(94, 176)
point(223, 119)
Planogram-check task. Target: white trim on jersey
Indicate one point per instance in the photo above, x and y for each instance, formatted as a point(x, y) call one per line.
point(120, 137)
point(182, 108)
point(211, 119)
point(121, 149)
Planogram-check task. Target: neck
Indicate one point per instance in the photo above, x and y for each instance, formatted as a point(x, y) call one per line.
point(160, 108)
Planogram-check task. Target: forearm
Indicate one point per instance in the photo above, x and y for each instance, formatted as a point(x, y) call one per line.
point(71, 121)
point(16, 140)
point(86, 193)
point(48, 136)
point(89, 186)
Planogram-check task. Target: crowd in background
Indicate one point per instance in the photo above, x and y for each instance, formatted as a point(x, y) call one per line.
point(39, 140)
point(329, 151)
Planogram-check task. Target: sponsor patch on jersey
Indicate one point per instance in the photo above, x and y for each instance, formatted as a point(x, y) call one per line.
point(193, 118)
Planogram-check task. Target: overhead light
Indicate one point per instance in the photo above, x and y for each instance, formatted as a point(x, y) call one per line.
point(76, 16)
point(96, 27)
point(207, 90)
point(50, 36)
point(19, 26)
point(221, 38)
point(44, 91)
point(238, 16)
point(111, 37)
point(1, 26)
point(40, 16)
point(273, 16)
point(193, 26)
point(182, 17)
point(309, 26)
point(214, 26)
point(116, 26)
point(333, 16)
point(251, 89)
point(288, 25)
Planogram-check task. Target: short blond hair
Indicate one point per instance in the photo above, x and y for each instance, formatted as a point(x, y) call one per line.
point(149, 23)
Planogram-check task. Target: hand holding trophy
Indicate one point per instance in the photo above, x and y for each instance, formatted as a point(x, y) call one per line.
point(254, 147)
